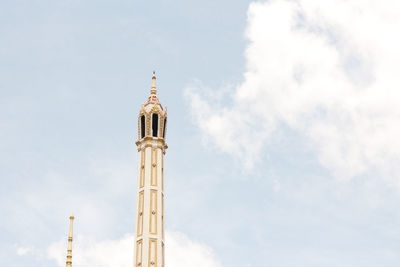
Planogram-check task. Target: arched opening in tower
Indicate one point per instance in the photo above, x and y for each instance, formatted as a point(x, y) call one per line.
point(165, 126)
point(155, 125)
point(142, 126)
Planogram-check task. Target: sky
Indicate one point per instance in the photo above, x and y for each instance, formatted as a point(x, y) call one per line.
point(283, 130)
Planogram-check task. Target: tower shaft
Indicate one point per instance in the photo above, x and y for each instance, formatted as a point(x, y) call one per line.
point(150, 208)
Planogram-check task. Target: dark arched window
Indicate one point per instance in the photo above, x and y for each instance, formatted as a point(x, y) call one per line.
point(165, 126)
point(155, 125)
point(142, 126)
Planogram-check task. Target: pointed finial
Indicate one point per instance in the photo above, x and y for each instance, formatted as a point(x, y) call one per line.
point(69, 250)
point(153, 90)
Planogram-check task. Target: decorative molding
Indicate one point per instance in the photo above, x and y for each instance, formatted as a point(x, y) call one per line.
point(149, 141)
point(155, 109)
point(139, 253)
point(163, 254)
point(148, 125)
point(162, 216)
point(153, 212)
point(140, 214)
point(152, 252)
point(162, 173)
point(154, 177)
point(142, 169)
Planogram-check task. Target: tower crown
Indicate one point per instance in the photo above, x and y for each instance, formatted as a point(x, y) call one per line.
point(152, 119)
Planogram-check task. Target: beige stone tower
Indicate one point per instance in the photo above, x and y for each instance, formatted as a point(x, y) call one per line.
point(69, 250)
point(149, 241)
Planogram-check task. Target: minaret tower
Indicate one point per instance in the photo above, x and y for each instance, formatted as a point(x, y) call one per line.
point(149, 241)
point(69, 250)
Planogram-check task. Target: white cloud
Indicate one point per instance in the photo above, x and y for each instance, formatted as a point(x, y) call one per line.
point(327, 69)
point(180, 252)
point(25, 250)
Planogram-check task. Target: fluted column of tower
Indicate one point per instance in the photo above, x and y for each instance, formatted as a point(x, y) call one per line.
point(149, 241)
point(69, 250)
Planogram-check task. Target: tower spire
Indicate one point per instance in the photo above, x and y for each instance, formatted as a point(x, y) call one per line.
point(69, 250)
point(153, 90)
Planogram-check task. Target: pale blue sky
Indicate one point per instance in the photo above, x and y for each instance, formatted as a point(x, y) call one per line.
point(73, 75)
